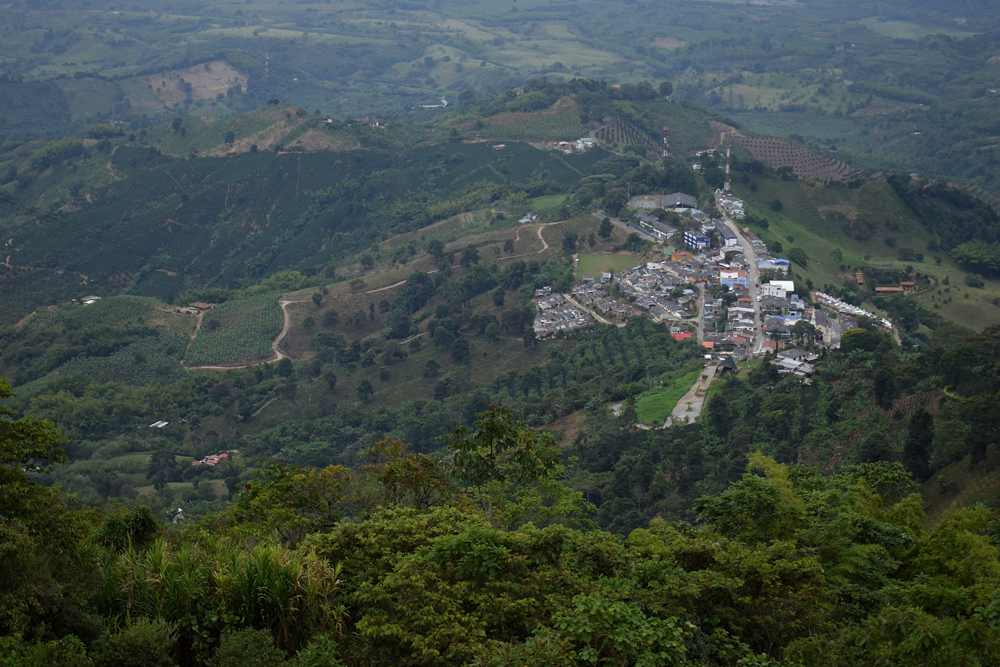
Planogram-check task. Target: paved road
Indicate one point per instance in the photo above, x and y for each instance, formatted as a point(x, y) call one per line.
point(753, 276)
point(700, 320)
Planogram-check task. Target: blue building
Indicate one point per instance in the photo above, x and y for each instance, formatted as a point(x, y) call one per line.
point(695, 240)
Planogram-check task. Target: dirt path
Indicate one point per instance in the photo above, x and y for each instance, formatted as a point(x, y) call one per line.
point(110, 168)
point(545, 245)
point(688, 409)
point(372, 291)
point(593, 133)
point(197, 327)
point(278, 355)
point(24, 320)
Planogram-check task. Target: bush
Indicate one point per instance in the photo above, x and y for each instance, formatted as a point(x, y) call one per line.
point(247, 648)
point(142, 643)
point(974, 280)
point(799, 256)
point(135, 527)
point(68, 651)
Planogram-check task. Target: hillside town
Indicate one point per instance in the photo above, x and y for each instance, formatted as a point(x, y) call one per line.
point(721, 286)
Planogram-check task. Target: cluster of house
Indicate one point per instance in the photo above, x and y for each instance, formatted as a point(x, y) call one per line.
point(597, 297)
point(555, 314)
point(212, 460)
point(699, 239)
point(738, 327)
point(659, 290)
point(796, 362)
point(578, 146)
point(833, 303)
point(733, 206)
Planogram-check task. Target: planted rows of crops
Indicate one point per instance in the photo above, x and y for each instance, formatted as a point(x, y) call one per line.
point(563, 125)
point(237, 332)
point(879, 106)
point(153, 360)
point(806, 164)
point(113, 310)
point(625, 133)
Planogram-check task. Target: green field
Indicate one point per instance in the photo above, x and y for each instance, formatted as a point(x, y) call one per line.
point(548, 202)
point(595, 265)
point(655, 405)
point(237, 332)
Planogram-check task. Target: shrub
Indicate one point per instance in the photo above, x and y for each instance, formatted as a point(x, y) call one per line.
point(974, 280)
point(247, 648)
point(142, 643)
point(135, 527)
point(799, 256)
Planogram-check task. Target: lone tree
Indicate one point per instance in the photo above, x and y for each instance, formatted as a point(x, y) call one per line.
point(501, 459)
point(604, 231)
point(365, 391)
point(917, 449)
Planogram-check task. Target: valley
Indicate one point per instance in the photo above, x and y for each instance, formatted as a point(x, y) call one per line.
point(545, 333)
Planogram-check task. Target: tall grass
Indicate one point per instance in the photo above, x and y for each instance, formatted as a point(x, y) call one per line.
point(204, 587)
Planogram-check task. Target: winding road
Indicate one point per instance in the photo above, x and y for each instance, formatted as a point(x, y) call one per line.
point(278, 355)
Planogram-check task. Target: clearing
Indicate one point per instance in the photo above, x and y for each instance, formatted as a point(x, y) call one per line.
point(595, 265)
point(655, 405)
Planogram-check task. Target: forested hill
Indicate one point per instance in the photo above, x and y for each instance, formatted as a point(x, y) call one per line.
point(283, 373)
point(488, 557)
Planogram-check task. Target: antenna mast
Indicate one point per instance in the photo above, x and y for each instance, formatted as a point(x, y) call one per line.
point(725, 188)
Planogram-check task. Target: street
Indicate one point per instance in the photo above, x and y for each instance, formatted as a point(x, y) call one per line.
point(753, 278)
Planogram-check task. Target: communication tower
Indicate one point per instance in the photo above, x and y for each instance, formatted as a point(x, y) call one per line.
point(666, 143)
point(725, 188)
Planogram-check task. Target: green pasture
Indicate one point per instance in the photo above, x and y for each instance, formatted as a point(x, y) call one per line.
point(907, 30)
point(800, 218)
point(655, 405)
point(548, 202)
point(595, 265)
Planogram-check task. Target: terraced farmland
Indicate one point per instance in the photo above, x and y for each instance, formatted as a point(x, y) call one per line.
point(625, 133)
point(806, 164)
point(237, 332)
point(879, 106)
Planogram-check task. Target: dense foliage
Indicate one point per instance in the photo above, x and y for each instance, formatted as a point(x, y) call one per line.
point(408, 560)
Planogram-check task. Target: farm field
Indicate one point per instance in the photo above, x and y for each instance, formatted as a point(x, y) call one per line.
point(548, 202)
point(806, 164)
point(561, 124)
point(655, 405)
point(153, 360)
point(446, 230)
point(595, 265)
point(237, 332)
point(624, 133)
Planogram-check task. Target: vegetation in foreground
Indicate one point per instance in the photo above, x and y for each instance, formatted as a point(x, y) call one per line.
point(487, 557)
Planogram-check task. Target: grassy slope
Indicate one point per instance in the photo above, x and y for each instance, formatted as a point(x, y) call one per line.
point(801, 218)
point(594, 265)
point(967, 485)
point(655, 405)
